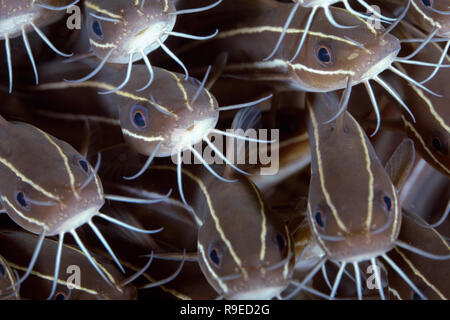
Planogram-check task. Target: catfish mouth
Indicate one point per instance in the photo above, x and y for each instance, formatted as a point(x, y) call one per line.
point(76, 221)
point(146, 39)
point(13, 25)
point(182, 138)
point(380, 66)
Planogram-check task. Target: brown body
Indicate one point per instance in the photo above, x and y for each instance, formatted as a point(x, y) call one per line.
point(7, 279)
point(38, 167)
point(137, 27)
point(166, 107)
point(431, 131)
point(237, 244)
point(249, 31)
point(18, 248)
point(15, 15)
point(351, 194)
point(421, 15)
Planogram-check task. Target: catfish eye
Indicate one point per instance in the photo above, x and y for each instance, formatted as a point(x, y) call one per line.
point(388, 203)
point(21, 200)
point(97, 29)
point(427, 3)
point(84, 165)
point(436, 143)
point(60, 296)
point(215, 254)
point(318, 216)
point(2, 270)
point(279, 239)
point(139, 117)
point(324, 55)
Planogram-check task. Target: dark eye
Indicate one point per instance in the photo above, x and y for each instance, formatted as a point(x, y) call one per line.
point(427, 3)
point(139, 117)
point(319, 219)
point(215, 255)
point(60, 296)
point(84, 165)
point(324, 55)
point(280, 241)
point(2, 270)
point(20, 198)
point(436, 143)
point(387, 201)
point(97, 29)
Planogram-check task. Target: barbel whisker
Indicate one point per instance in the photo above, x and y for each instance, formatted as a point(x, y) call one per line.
point(337, 281)
point(179, 178)
point(358, 280)
point(190, 36)
point(89, 257)
point(168, 279)
point(224, 133)
point(221, 155)
point(137, 274)
point(394, 94)
point(127, 78)
point(150, 71)
point(147, 163)
point(202, 85)
point(54, 8)
point(94, 172)
point(283, 32)
point(105, 244)
point(30, 55)
point(434, 225)
point(308, 277)
point(174, 57)
point(47, 41)
point(57, 265)
point(374, 102)
point(408, 78)
point(332, 21)
point(231, 277)
point(136, 200)
point(378, 278)
point(195, 10)
point(127, 226)
point(374, 12)
point(404, 276)
point(325, 276)
point(33, 260)
point(420, 252)
point(422, 63)
point(422, 45)
point(331, 238)
point(385, 226)
point(305, 33)
point(245, 105)
point(441, 59)
point(445, 13)
point(95, 71)
point(8, 61)
point(92, 14)
point(398, 20)
point(343, 102)
point(280, 263)
point(206, 165)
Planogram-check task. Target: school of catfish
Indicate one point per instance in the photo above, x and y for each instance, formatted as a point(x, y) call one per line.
point(112, 110)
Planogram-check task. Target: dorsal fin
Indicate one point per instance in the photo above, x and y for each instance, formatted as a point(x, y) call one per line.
point(400, 163)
